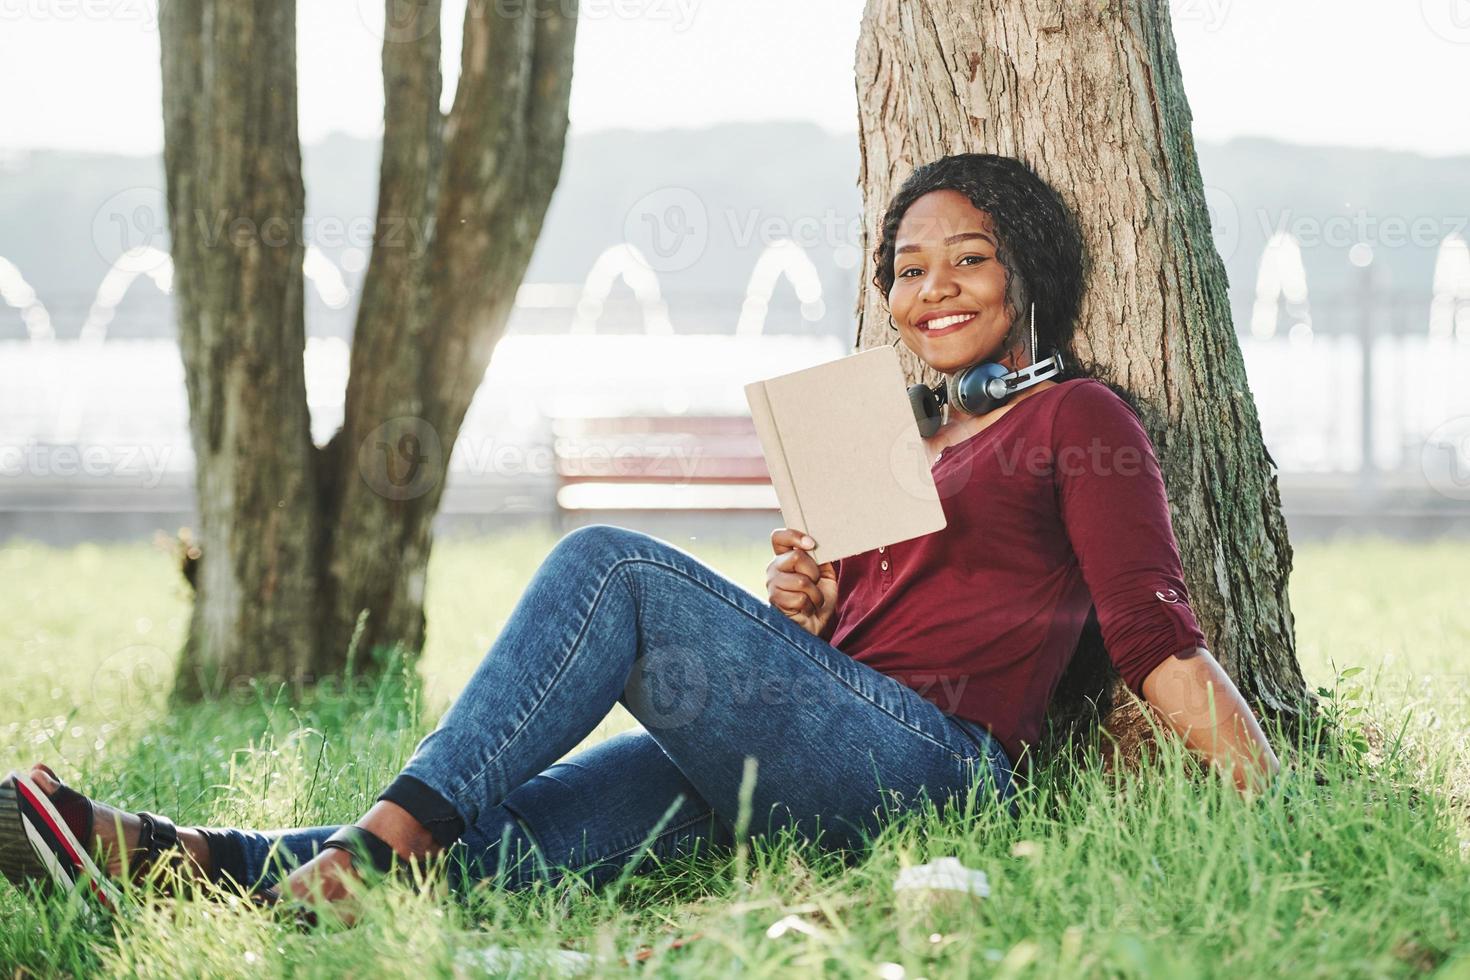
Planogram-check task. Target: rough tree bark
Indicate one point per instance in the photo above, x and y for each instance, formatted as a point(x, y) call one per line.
point(300, 546)
point(1090, 95)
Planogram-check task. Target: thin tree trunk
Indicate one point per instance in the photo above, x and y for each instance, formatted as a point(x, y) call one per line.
point(236, 199)
point(501, 151)
point(303, 549)
point(379, 463)
point(1090, 95)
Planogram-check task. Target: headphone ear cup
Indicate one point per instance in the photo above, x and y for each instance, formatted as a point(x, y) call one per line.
point(926, 403)
point(971, 388)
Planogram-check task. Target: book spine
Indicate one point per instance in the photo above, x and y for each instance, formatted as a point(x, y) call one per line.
point(770, 436)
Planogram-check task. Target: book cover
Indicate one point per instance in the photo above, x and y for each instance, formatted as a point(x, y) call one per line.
point(845, 455)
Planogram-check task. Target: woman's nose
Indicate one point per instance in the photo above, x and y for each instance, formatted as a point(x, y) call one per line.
point(937, 284)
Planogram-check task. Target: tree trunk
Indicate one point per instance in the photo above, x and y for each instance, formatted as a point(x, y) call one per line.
point(1090, 96)
point(235, 198)
point(304, 550)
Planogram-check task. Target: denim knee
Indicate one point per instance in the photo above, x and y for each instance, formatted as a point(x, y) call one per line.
point(591, 542)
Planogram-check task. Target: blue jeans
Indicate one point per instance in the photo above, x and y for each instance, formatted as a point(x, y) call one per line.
point(714, 675)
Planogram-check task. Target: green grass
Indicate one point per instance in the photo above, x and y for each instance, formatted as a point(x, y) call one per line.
point(1151, 874)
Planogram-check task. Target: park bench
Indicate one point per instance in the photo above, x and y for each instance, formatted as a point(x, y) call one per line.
point(660, 463)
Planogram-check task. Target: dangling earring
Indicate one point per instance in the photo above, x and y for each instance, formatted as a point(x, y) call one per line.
point(1033, 334)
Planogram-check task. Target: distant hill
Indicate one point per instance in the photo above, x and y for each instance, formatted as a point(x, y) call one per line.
point(716, 197)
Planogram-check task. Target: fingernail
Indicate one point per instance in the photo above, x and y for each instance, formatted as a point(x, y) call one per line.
point(808, 543)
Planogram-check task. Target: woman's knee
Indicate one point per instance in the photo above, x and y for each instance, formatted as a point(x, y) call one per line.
point(592, 542)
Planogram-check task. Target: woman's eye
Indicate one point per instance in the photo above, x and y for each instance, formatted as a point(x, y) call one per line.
point(913, 268)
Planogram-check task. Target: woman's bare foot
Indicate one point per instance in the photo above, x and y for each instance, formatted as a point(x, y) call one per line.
point(331, 875)
point(106, 822)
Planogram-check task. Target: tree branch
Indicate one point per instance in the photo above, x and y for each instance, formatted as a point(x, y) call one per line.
point(383, 379)
point(550, 90)
point(489, 212)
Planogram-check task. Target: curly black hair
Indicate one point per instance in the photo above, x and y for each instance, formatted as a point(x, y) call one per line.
point(1040, 246)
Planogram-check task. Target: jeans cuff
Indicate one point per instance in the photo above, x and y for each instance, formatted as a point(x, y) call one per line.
point(426, 806)
point(227, 856)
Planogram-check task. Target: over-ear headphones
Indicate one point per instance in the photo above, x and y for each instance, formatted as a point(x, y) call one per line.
point(980, 388)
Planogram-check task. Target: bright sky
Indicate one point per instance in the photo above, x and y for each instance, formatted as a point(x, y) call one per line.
point(83, 74)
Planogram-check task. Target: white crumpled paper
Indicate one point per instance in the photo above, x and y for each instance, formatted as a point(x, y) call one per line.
point(945, 874)
point(504, 961)
point(791, 923)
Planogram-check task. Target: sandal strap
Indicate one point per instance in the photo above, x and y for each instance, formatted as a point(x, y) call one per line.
point(360, 844)
point(159, 834)
point(74, 808)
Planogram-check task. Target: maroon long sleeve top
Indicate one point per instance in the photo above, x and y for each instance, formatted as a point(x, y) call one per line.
point(1055, 508)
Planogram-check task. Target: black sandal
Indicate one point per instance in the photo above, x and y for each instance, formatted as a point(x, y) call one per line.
point(362, 845)
point(41, 839)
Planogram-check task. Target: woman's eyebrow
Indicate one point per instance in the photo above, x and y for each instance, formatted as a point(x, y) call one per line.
point(962, 236)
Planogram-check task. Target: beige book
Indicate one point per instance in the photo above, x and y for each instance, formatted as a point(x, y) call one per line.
point(845, 454)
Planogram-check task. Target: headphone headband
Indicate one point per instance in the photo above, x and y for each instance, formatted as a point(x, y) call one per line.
point(982, 387)
point(978, 389)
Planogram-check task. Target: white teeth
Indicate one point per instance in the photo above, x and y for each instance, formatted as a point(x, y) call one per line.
point(947, 321)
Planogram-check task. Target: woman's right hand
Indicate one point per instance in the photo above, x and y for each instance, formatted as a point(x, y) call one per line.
point(805, 591)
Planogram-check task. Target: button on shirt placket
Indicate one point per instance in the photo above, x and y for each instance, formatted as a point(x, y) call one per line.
point(884, 567)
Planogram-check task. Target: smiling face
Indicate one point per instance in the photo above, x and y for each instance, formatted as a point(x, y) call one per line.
point(949, 288)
